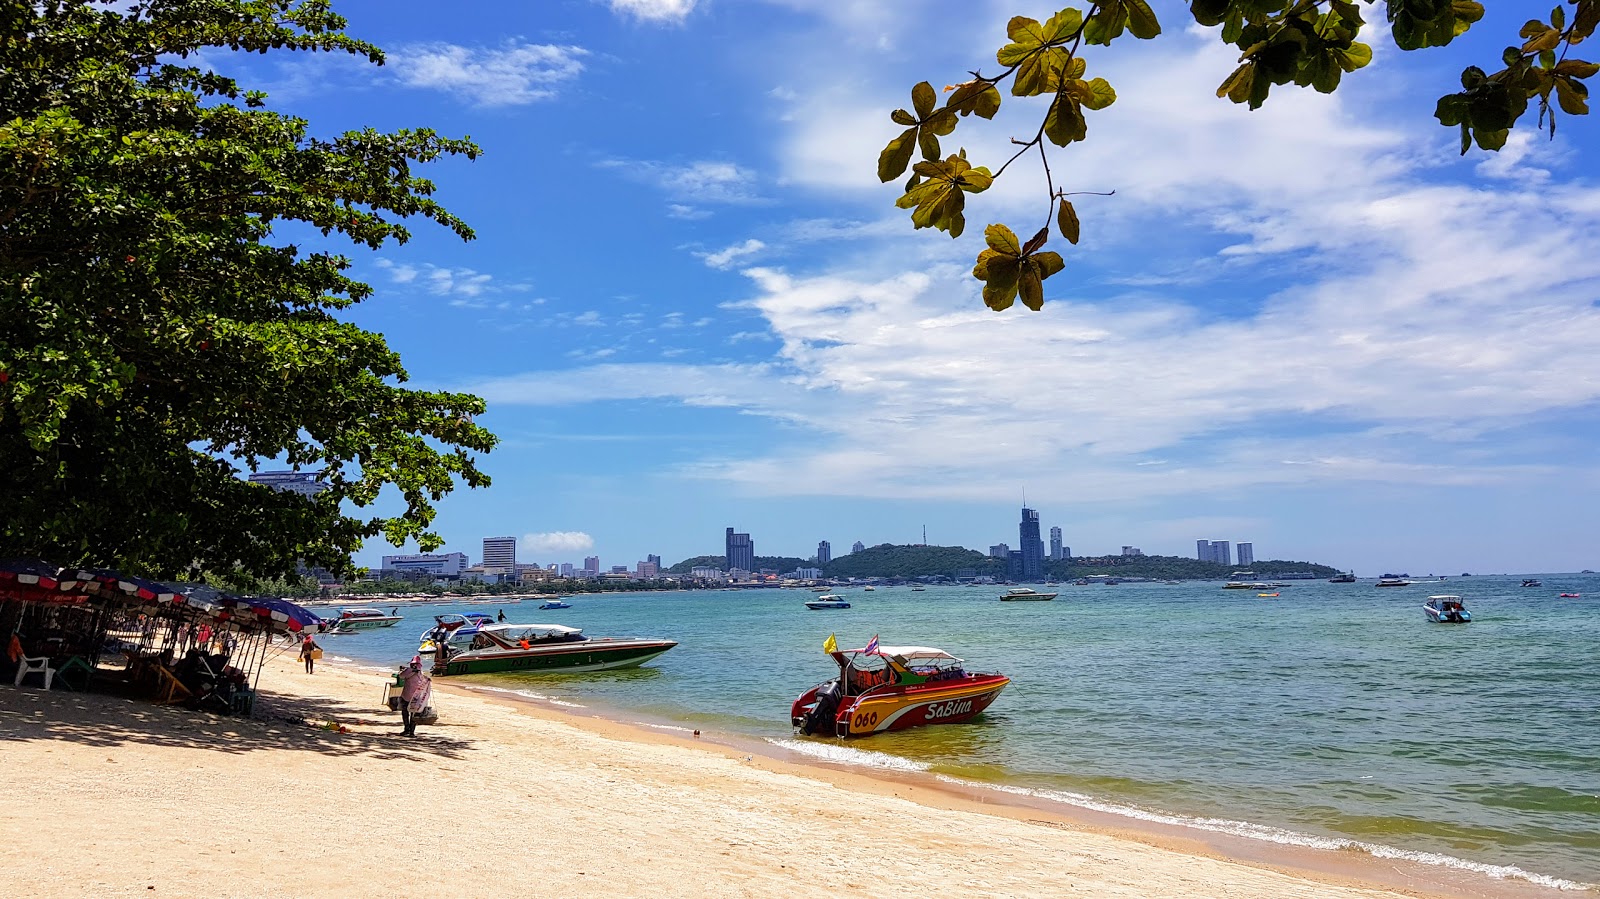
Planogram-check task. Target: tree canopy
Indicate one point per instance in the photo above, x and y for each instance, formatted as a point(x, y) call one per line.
point(158, 337)
point(1308, 43)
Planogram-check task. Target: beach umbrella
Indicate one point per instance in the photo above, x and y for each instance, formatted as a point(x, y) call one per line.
point(278, 614)
point(30, 580)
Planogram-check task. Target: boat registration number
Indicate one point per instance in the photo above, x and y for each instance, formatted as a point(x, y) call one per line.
point(864, 719)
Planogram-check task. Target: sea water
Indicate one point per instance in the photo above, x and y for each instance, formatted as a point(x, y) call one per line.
point(1332, 715)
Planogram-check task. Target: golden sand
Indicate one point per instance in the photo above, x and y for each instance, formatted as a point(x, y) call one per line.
point(101, 796)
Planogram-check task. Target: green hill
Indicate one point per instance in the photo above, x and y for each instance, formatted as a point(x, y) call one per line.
point(888, 560)
point(1176, 568)
point(779, 564)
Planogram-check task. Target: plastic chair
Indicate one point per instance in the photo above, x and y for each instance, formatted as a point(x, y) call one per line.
point(39, 665)
point(75, 667)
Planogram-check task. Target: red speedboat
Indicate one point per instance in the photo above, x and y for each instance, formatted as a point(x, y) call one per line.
point(893, 688)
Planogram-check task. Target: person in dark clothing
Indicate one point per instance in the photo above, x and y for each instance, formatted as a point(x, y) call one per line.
point(308, 653)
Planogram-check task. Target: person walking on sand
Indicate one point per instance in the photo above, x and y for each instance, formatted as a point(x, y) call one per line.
point(308, 650)
point(413, 695)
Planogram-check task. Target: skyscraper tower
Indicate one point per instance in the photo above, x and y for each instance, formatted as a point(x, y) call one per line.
point(824, 553)
point(1032, 546)
point(741, 551)
point(1055, 544)
point(1247, 554)
point(500, 552)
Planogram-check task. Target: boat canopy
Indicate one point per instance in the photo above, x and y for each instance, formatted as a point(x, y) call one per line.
point(910, 654)
point(511, 633)
point(1446, 596)
point(363, 613)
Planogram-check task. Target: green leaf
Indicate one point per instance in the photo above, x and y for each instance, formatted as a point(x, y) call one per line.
point(923, 99)
point(1142, 20)
point(1067, 221)
point(1237, 86)
point(978, 98)
point(1094, 94)
point(1002, 239)
point(1030, 285)
point(1107, 24)
point(896, 156)
point(901, 117)
point(1065, 122)
point(1355, 56)
point(1576, 67)
point(1573, 96)
point(939, 201)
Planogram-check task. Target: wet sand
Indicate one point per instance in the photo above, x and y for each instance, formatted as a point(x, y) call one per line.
point(101, 796)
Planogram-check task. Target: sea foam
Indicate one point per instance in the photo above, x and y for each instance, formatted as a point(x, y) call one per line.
point(845, 755)
point(1278, 835)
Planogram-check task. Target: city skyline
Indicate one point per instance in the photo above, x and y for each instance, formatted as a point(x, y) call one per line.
point(785, 350)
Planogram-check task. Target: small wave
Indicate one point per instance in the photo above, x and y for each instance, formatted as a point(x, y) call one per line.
point(672, 727)
point(340, 659)
point(525, 694)
point(1268, 834)
point(845, 755)
point(565, 704)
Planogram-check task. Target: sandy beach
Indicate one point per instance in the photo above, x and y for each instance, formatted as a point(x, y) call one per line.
point(109, 797)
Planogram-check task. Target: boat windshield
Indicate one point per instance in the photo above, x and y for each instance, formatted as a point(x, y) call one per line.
point(516, 634)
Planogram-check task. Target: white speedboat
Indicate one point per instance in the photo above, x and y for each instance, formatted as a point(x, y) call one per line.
point(456, 630)
point(1026, 594)
point(352, 620)
point(828, 601)
point(1447, 608)
point(554, 604)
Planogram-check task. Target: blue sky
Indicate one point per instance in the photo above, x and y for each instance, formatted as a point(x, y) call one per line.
point(692, 305)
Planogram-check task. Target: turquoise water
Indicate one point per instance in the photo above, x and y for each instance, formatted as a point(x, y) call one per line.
point(1334, 715)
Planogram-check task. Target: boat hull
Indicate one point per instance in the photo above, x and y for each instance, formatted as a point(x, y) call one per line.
point(902, 708)
point(364, 624)
point(821, 604)
point(1037, 597)
point(601, 654)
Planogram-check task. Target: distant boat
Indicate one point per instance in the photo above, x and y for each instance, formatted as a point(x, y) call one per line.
point(869, 589)
point(1532, 582)
point(352, 620)
point(554, 604)
point(1026, 594)
point(1268, 594)
point(828, 601)
point(1346, 577)
point(917, 589)
point(1080, 582)
point(1447, 609)
point(1393, 582)
point(1571, 595)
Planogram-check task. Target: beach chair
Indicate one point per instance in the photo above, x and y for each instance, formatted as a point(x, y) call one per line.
point(39, 665)
point(75, 667)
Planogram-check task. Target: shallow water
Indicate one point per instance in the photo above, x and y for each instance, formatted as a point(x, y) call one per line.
point(1334, 715)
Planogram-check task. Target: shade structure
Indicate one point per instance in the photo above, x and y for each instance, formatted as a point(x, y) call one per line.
point(33, 580)
point(281, 614)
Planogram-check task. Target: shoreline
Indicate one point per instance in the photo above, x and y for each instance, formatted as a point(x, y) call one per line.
point(191, 804)
point(1348, 868)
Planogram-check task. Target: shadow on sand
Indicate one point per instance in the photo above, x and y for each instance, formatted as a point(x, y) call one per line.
point(98, 719)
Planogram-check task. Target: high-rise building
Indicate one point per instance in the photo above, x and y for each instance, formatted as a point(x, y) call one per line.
point(649, 570)
point(740, 551)
point(1055, 544)
point(654, 560)
point(591, 565)
point(1032, 546)
point(500, 552)
point(305, 483)
point(1217, 551)
point(1132, 551)
point(1000, 551)
point(1247, 554)
point(1014, 564)
point(858, 546)
point(566, 569)
point(442, 564)
point(824, 553)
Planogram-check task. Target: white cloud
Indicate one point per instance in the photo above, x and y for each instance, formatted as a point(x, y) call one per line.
point(513, 75)
point(557, 542)
point(687, 213)
point(725, 258)
point(705, 181)
point(654, 10)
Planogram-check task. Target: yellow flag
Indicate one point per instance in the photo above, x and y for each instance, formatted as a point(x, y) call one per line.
point(830, 645)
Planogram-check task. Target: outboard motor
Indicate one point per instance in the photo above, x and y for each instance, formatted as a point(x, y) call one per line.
point(820, 719)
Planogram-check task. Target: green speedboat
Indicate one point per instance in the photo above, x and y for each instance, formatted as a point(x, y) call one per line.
point(547, 647)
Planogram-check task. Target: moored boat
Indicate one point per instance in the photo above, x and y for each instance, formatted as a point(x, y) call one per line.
point(1447, 609)
point(1344, 577)
point(1532, 582)
point(456, 630)
point(554, 604)
point(352, 620)
point(1026, 594)
point(1393, 582)
point(894, 688)
point(547, 647)
point(828, 601)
